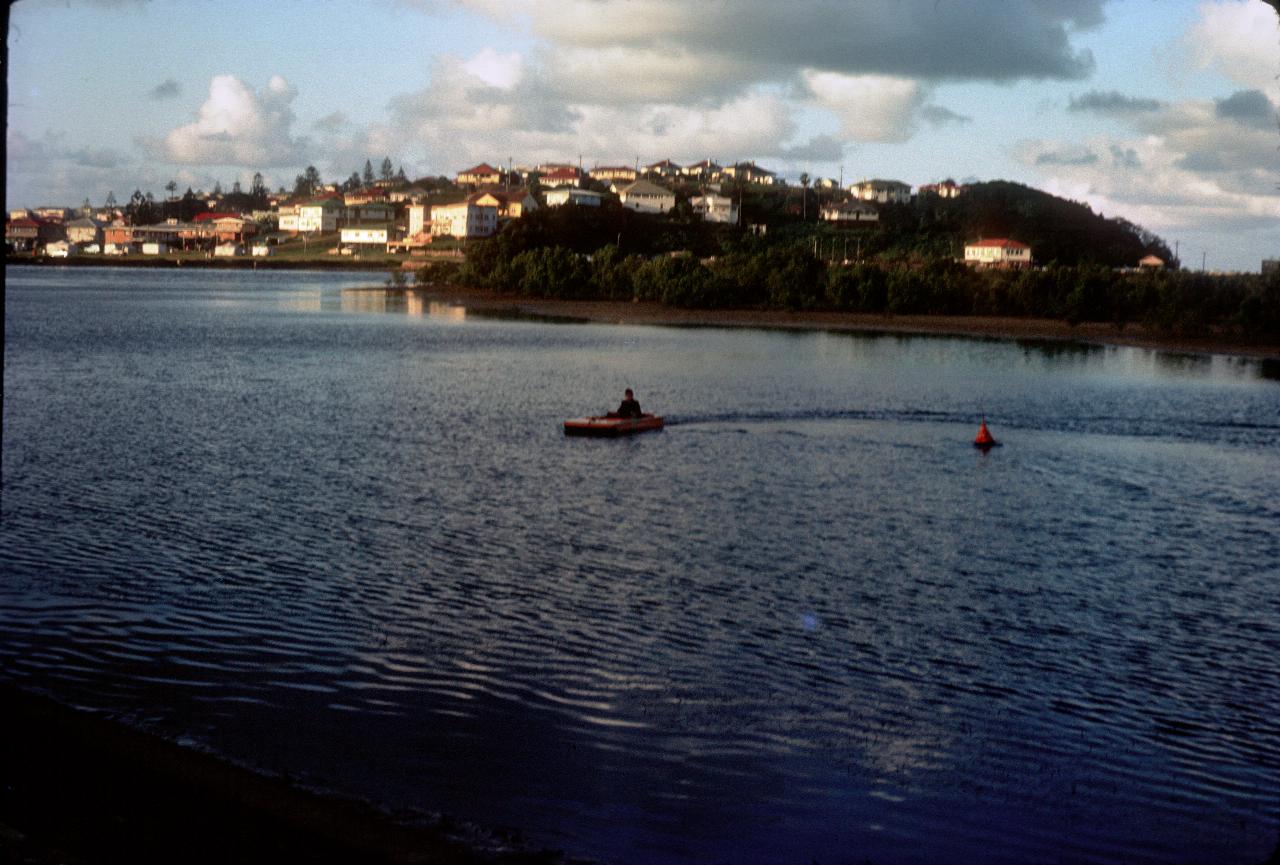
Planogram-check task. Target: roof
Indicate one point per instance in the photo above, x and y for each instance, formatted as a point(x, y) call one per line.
point(645, 187)
point(879, 182)
point(482, 168)
point(999, 242)
point(565, 172)
point(666, 163)
point(204, 217)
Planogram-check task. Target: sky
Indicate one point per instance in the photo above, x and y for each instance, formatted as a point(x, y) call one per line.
point(1163, 112)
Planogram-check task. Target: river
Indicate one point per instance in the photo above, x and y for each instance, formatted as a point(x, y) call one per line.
point(339, 534)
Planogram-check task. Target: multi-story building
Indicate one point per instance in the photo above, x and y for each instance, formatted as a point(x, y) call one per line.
point(647, 197)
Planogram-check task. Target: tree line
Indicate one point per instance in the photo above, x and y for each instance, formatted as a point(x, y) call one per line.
point(651, 260)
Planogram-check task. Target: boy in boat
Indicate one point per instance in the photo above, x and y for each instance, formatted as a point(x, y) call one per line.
point(630, 407)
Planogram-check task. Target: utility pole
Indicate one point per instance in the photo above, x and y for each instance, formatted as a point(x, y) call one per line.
point(1203, 256)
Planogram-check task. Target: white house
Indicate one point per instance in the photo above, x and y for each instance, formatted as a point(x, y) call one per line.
point(573, 195)
point(419, 219)
point(318, 216)
point(883, 191)
point(715, 208)
point(287, 218)
point(228, 250)
point(647, 197)
point(60, 249)
point(366, 234)
point(469, 218)
point(261, 250)
point(850, 212)
point(155, 247)
point(997, 252)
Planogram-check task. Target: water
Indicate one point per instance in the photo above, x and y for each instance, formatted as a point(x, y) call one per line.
point(340, 535)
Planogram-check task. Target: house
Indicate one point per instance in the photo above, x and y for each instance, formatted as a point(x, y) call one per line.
point(563, 175)
point(666, 169)
point(997, 252)
point(647, 197)
point(364, 196)
point(514, 203)
point(749, 172)
point(261, 250)
point(288, 218)
point(60, 249)
point(715, 208)
point(372, 212)
point(483, 174)
point(573, 195)
point(1151, 262)
point(223, 227)
point(155, 247)
point(946, 189)
point(366, 234)
point(704, 170)
point(883, 191)
point(228, 250)
point(84, 231)
point(850, 212)
point(419, 219)
point(25, 234)
point(319, 216)
point(117, 239)
point(610, 173)
point(469, 218)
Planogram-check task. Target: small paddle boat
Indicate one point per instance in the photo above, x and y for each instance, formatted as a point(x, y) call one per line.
point(611, 425)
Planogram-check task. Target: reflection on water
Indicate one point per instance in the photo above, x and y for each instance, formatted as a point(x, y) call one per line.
point(411, 302)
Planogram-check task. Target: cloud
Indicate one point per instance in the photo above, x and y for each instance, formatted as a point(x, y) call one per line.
point(940, 116)
point(988, 40)
point(1035, 154)
point(167, 89)
point(1112, 102)
point(1250, 107)
point(1240, 39)
point(820, 148)
point(238, 126)
point(103, 157)
point(331, 123)
point(870, 107)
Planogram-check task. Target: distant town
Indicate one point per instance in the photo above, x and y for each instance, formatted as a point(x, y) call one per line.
point(387, 213)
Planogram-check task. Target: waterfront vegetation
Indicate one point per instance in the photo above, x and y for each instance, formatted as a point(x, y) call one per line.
point(895, 268)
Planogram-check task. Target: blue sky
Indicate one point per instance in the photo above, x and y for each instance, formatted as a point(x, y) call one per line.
point(1164, 113)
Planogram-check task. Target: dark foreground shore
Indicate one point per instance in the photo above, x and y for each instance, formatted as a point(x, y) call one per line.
point(79, 789)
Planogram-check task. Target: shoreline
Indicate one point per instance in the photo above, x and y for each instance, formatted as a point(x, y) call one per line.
point(79, 788)
point(487, 302)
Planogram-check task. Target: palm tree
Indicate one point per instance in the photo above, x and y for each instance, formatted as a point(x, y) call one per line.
point(804, 195)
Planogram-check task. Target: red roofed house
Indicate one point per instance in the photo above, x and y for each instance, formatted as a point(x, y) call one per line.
point(997, 252)
point(483, 174)
point(564, 175)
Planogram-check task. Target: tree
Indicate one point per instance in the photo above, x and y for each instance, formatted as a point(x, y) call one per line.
point(400, 176)
point(306, 183)
point(235, 188)
point(171, 187)
point(111, 199)
point(352, 183)
point(804, 195)
point(368, 173)
point(386, 171)
point(217, 188)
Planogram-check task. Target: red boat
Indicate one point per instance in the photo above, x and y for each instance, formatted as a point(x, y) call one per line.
point(611, 426)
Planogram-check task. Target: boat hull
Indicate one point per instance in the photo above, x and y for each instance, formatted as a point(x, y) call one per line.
point(611, 427)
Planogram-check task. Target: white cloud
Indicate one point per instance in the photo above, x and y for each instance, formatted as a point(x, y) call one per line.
point(870, 107)
point(1240, 39)
point(237, 126)
point(503, 71)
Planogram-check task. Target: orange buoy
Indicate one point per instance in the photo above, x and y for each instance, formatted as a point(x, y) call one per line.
point(984, 438)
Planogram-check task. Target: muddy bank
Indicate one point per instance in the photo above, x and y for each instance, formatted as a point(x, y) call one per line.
point(619, 312)
point(80, 789)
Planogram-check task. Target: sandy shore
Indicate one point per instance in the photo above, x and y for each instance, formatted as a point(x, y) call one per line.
point(77, 789)
point(488, 302)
